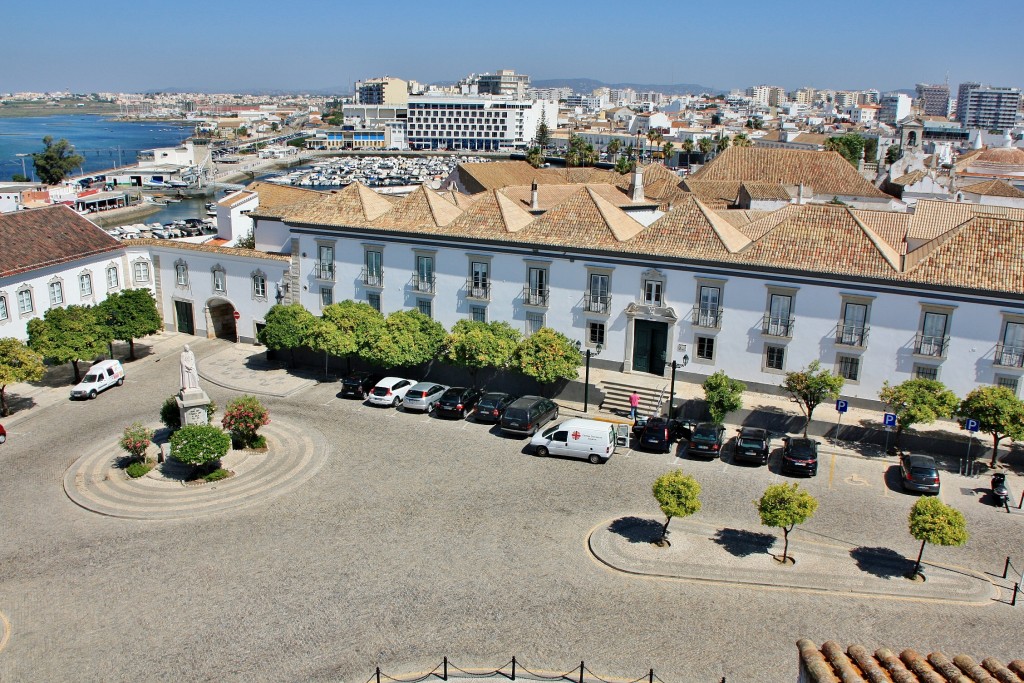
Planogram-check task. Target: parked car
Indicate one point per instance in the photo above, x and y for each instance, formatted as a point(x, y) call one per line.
point(706, 439)
point(753, 444)
point(800, 455)
point(527, 415)
point(423, 396)
point(390, 391)
point(492, 406)
point(359, 384)
point(660, 432)
point(457, 402)
point(919, 473)
point(3, 434)
point(577, 438)
point(99, 377)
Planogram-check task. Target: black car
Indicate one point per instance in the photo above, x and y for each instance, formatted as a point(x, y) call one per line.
point(457, 402)
point(660, 432)
point(753, 444)
point(525, 416)
point(919, 473)
point(492, 406)
point(800, 455)
point(706, 439)
point(359, 384)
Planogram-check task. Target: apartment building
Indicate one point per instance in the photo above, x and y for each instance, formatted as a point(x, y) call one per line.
point(504, 82)
point(988, 106)
point(387, 91)
point(934, 99)
point(475, 123)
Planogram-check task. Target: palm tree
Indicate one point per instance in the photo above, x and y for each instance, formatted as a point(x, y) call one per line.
point(722, 144)
point(705, 145)
point(741, 140)
point(667, 150)
point(613, 147)
point(654, 136)
point(688, 148)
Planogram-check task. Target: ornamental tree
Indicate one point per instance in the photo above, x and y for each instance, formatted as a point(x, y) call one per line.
point(918, 401)
point(678, 495)
point(18, 363)
point(68, 335)
point(56, 160)
point(285, 328)
point(406, 339)
point(130, 314)
point(850, 146)
point(810, 387)
point(135, 440)
point(784, 506)
point(548, 356)
point(998, 411)
point(201, 446)
point(354, 322)
point(932, 521)
point(723, 395)
point(243, 417)
point(478, 345)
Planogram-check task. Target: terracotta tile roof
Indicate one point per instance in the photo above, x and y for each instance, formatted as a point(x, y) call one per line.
point(740, 217)
point(493, 216)
point(756, 228)
point(983, 253)
point(931, 217)
point(831, 664)
point(275, 200)
point(994, 188)
point(825, 238)
point(553, 195)
point(909, 178)
point(721, 190)
point(766, 191)
point(422, 209)
point(463, 201)
point(496, 174)
point(584, 218)
point(210, 248)
point(354, 205)
point(236, 198)
point(827, 173)
point(36, 238)
point(891, 226)
point(686, 232)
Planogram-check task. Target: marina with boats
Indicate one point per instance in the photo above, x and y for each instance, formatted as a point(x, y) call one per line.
point(391, 174)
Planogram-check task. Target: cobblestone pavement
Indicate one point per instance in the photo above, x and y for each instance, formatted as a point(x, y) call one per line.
point(423, 537)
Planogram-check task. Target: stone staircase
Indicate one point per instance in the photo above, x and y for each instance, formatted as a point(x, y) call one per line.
point(616, 398)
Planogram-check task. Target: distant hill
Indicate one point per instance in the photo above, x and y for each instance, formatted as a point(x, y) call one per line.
point(585, 85)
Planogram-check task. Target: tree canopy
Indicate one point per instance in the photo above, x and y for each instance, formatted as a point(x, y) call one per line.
point(199, 445)
point(784, 506)
point(543, 137)
point(741, 140)
point(723, 395)
point(812, 386)
point(918, 401)
point(932, 521)
point(548, 356)
point(850, 146)
point(677, 494)
point(68, 335)
point(580, 152)
point(130, 314)
point(406, 339)
point(286, 327)
point(353, 320)
point(18, 363)
point(56, 161)
point(999, 413)
point(705, 145)
point(478, 345)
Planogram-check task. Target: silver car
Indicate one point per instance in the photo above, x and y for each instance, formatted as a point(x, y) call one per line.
point(423, 396)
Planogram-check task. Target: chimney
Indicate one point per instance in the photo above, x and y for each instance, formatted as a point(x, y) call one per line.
point(534, 197)
point(800, 195)
point(636, 187)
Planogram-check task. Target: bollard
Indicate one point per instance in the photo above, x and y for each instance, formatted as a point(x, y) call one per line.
point(581, 672)
point(513, 668)
point(650, 674)
point(378, 674)
point(1013, 600)
point(1006, 567)
point(1020, 505)
point(445, 676)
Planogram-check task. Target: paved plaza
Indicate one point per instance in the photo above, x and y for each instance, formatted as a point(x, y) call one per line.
point(395, 539)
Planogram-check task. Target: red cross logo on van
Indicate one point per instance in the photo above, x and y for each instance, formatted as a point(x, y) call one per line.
point(576, 435)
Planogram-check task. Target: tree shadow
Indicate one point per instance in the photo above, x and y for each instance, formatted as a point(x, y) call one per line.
point(16, 403)
point(884, 563)
point(742, 543)
point(637, 529)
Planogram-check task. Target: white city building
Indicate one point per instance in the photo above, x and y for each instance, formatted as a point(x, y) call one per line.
point(475, 123)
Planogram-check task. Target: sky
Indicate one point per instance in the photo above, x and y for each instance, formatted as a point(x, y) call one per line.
point(132, 46)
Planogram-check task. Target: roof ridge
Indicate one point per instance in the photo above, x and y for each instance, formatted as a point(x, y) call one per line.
point(732, 239)
point(442, 210)
point(920, 255)
point(512, 215)
point(621, 224)
point(884, 248)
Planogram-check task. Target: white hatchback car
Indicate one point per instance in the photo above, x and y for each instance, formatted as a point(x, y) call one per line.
point(390, 391)
point(423, 396)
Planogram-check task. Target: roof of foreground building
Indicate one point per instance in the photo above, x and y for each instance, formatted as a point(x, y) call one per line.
point(39, 238)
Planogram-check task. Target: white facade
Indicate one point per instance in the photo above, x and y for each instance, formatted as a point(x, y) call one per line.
point(475, 123)
point(233, 220)
point(895, 107)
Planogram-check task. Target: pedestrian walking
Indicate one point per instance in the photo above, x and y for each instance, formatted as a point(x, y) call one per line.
point(634, 403)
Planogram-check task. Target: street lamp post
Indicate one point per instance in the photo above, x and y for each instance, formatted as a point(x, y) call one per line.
point(23, 173)
point(586, 379)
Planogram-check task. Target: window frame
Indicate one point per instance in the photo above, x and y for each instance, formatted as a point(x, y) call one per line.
point(916, 370)
point(920, 336)
point(370, 297)
point(598, 300)
point(259, 276)
point(82, 279)
point(325, 270)
point(849, 360)
point(5, 309)
point(373, 277)
point(25, 294)
point(424, 282)
point(778, 325)
point(706, 317)
point(112, 270)
point(136, 265)
point(771, 349)
point(1009, 356)
point(180, 270)
point(843, 336)
point(474, 310)
point(428, 304)
point(539, 296)
point(1003, 380)
point(326, 296)
point(533, 316)
point(704, 340)
point(220, 277)
point(601, 329)
point(59, 284)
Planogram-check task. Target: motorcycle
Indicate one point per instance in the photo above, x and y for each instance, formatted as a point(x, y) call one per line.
point(999, 490)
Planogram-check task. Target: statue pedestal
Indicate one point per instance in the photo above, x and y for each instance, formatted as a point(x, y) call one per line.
point(192, 406)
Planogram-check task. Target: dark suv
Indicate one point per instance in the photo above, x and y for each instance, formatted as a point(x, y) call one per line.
point(919, 473)
point(492, 406)
point(659, 433)
point(799, 455)
point(359, 384)
point(753, 444)
point(527, 415)
point(457, 402)
point(706, 439)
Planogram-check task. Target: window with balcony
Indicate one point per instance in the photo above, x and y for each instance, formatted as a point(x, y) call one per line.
point(705, 348)
point(849, 367)
point(536, 291)
point(932, 340)
point(774, 357)
point(853, 328)
point(708, 311)
point(534, 321)
point(85, 285)
point(56, 293)
point(1010, 351)
point(479, 284)
point(423, 278)
point(373, 268)
point(325, 262)
point(778, 320)
point(598, 297)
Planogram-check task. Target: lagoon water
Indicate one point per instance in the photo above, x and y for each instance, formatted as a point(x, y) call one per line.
point(105, 143)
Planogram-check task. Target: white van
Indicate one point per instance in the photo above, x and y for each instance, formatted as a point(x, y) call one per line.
point(100, 376)
point(591, 440)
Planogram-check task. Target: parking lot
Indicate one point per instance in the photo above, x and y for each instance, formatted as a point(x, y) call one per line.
point(424, 537)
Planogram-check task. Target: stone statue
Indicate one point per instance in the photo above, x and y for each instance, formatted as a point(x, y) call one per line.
point(189, 370)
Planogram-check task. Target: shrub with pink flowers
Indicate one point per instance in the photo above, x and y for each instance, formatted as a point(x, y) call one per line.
point(243, 417)
point(136, 440)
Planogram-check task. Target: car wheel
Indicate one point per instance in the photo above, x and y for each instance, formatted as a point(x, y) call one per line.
point(92, 394)
point(541, 452)
point(3, 438)
point(555, 416)
point(362, 394)
point(595, 459)
point(120, 381)
point(396, 402)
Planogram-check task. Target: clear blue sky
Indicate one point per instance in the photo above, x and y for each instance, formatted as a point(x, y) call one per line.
point(132, 45)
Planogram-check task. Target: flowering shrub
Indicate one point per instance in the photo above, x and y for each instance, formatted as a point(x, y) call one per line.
point(243, 417)
point(136, 440)
point(199, 445)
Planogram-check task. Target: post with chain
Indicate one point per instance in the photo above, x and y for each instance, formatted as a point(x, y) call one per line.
point(1013, 600)
point(581, 672)
point(378, 674)
point(650, 676)
point(445, 677)
point(513, 668)
point(1006, 567)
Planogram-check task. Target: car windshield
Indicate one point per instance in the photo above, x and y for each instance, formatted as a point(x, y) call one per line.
point(91, 379)
point(924, 472)
point(750, 442)
point(705, 433)
point(550, 430)
point(801, 450)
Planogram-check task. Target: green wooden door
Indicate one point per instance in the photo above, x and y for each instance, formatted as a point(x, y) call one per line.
point(183, 312)
point(642, 346)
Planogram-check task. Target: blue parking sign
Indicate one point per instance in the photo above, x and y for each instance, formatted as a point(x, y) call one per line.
point(842, 406)
point(889, 420)
point(971, 425)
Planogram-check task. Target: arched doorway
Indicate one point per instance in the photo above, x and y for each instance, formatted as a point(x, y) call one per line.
point(220, 314)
